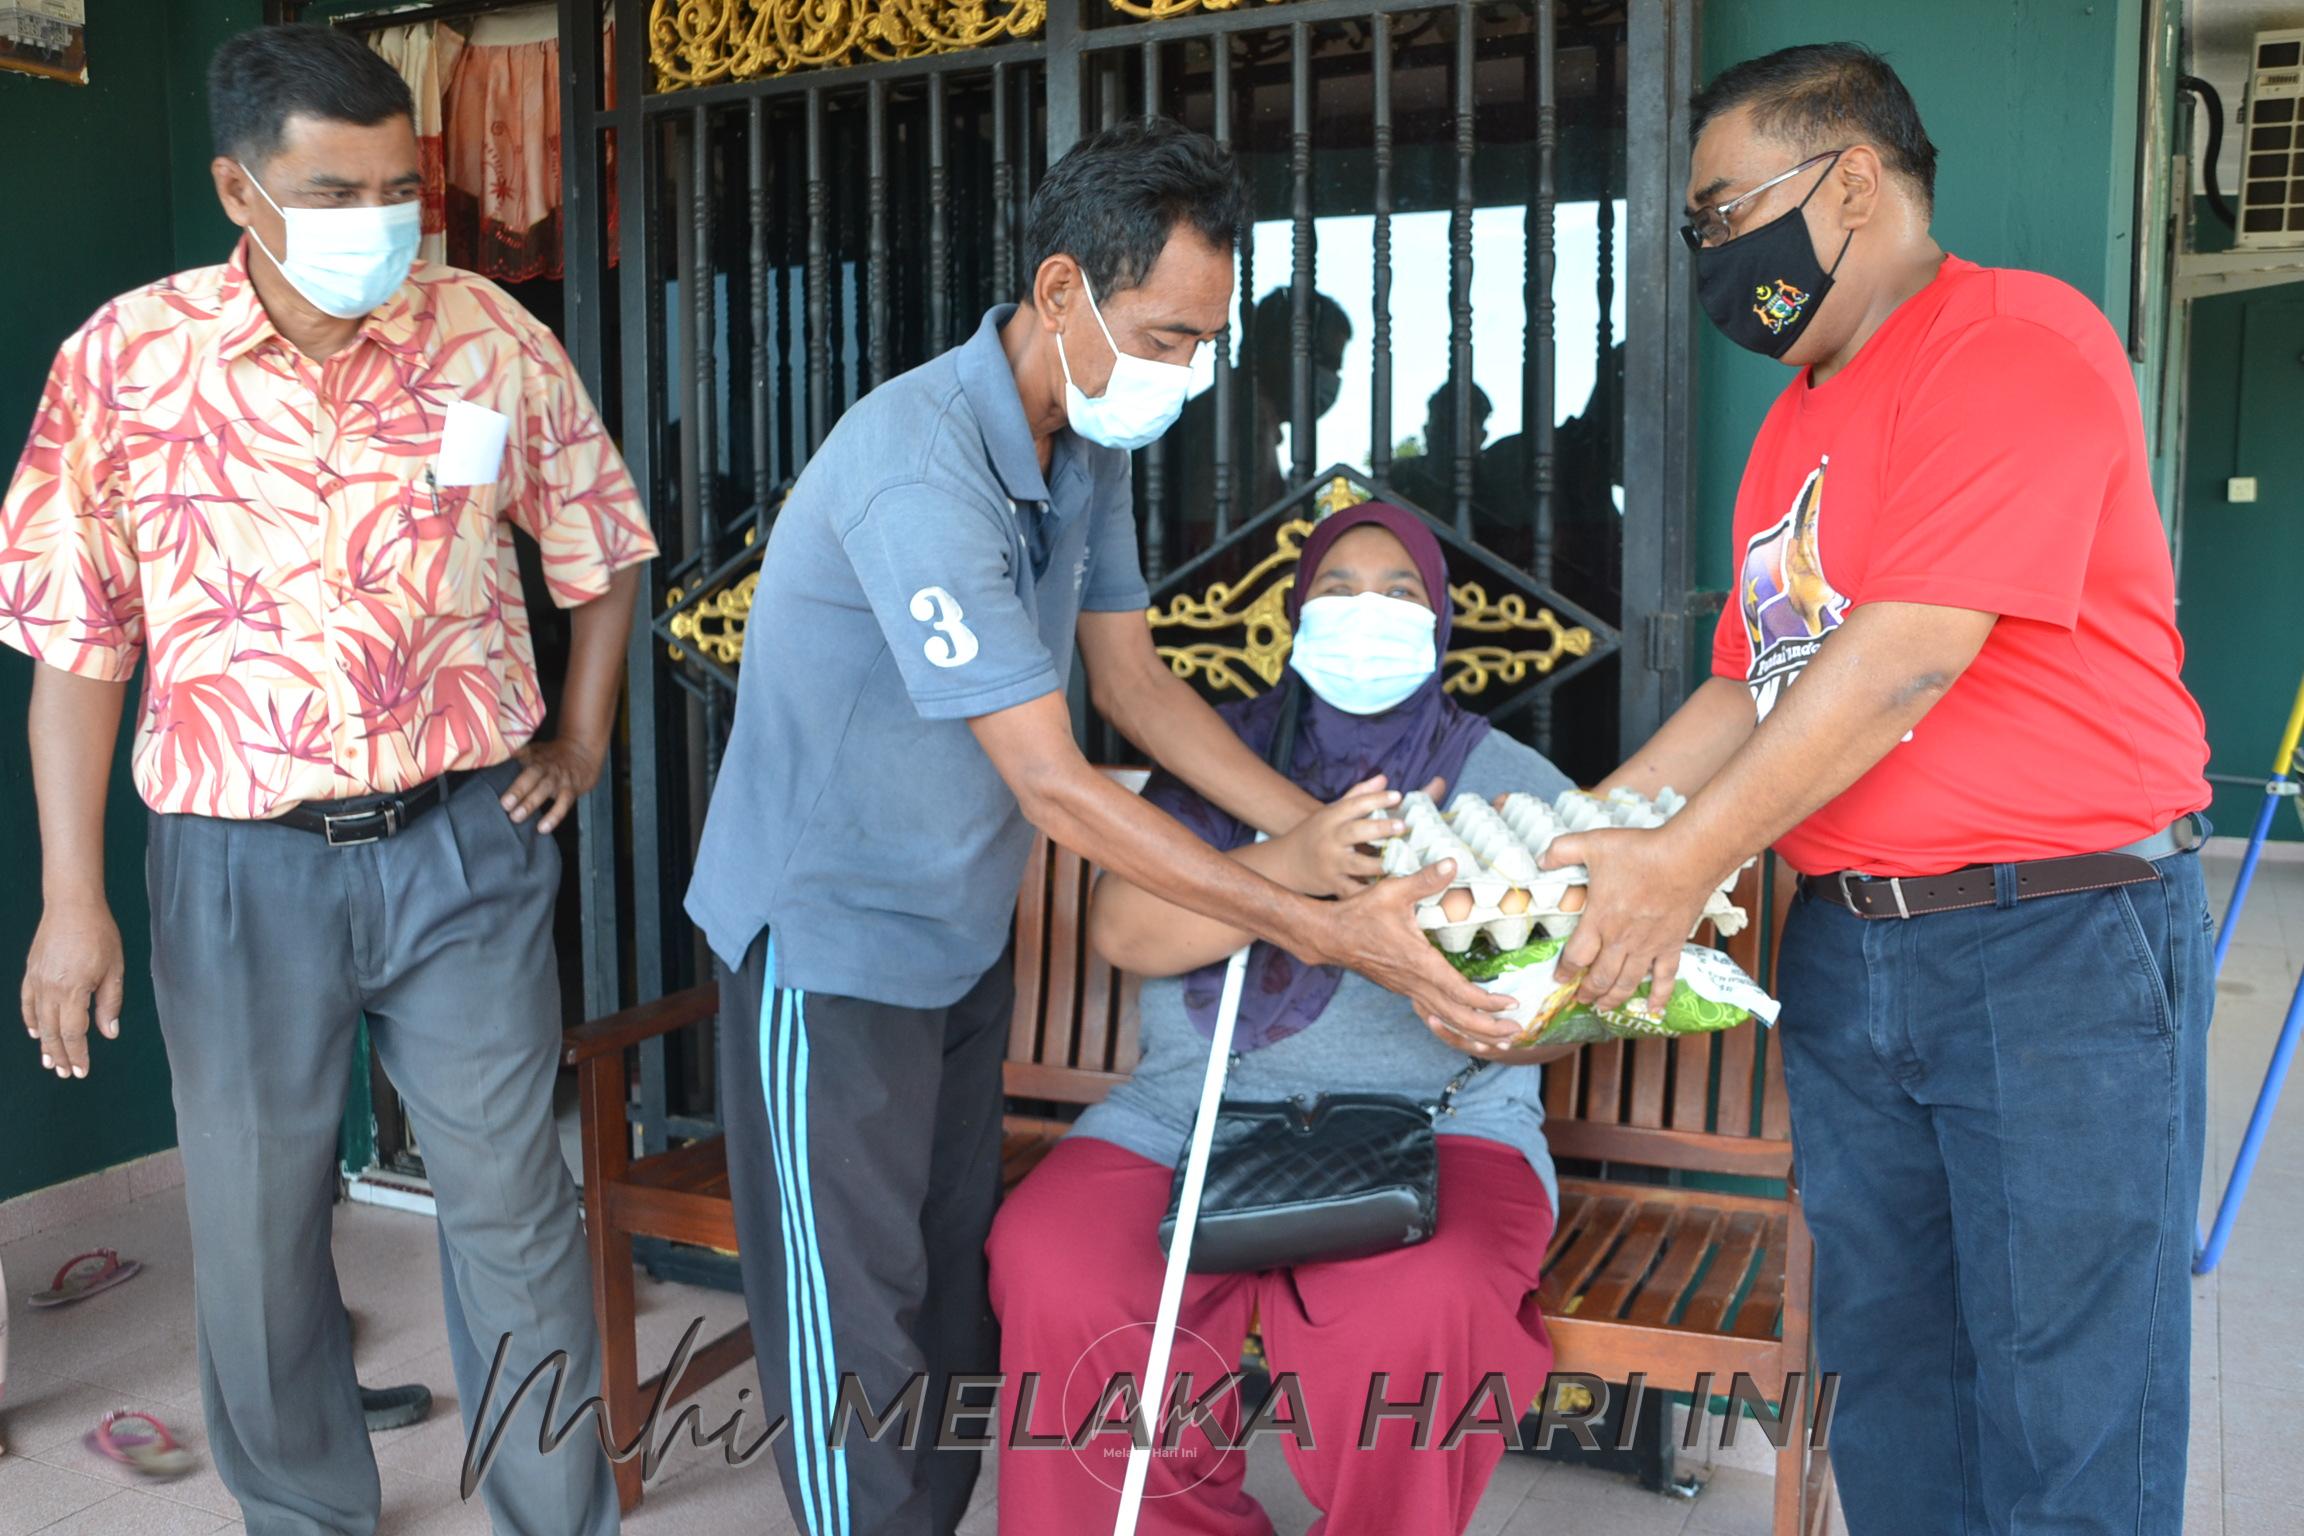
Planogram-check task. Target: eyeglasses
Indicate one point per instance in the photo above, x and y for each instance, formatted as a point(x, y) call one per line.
point(1711, 227)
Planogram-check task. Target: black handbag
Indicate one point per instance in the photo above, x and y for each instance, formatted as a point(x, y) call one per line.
point(1296, 1181)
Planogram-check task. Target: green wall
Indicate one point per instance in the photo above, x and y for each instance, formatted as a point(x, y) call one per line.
point(2242, 563)
point(2032, 108)
point(95, 182)
point(201, 235)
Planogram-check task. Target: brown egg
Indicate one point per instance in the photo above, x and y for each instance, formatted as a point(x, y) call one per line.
point(1573, 901)
point(1514, 903)
point(1456, 905)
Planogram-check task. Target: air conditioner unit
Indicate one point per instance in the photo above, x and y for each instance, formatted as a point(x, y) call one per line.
point(2272, 162)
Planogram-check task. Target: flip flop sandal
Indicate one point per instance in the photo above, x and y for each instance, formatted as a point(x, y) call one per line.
point(80, 1279)
point(140, 1442)
point(395, 1407)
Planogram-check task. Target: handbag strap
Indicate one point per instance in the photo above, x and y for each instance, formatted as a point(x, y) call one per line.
point(1280, 752)
point(1473, 1067)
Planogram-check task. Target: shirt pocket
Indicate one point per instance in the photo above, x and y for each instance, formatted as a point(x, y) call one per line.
point(450, 554)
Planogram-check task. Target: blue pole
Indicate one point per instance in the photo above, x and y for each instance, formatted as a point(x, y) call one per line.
point(2210, 1249)
point(2201, 1262)
point(2247, 873)
point(2259, 1123)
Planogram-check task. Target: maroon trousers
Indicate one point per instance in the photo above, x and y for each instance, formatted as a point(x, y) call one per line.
point(1076, 1268)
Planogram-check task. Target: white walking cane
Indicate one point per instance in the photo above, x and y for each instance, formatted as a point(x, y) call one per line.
point(1153, 1397)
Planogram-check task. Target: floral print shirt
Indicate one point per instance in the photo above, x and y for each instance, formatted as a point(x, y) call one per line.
point(318, 618)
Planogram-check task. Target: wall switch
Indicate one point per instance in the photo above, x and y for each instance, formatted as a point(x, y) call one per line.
point(2240, 488)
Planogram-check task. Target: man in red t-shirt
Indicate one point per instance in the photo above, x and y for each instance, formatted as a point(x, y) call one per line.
point(1996, 979)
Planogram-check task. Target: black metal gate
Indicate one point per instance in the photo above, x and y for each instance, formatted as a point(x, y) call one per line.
point(774, 205)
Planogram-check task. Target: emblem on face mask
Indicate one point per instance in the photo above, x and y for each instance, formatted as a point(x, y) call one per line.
point(1778, 304)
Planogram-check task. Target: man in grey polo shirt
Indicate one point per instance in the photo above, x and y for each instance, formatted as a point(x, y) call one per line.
point(901, 729)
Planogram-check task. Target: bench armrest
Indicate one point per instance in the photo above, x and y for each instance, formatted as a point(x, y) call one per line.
point(644, 1021)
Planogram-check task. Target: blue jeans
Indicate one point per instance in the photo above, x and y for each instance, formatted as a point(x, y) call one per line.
point(1997, 1118)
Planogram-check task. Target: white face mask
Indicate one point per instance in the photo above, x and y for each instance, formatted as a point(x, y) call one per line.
point(1140, 401)
point(345, 260)
point(1364, 653)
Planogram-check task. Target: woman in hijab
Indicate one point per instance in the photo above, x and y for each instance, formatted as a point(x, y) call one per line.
point(1075, 1255)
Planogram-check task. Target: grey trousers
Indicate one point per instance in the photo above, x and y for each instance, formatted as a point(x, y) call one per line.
point(267, 947)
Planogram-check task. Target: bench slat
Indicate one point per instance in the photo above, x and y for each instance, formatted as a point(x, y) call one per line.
point(1775, 1106)
point(1783, 890)
point(699, 1167)
point(1692, 1080)
point(709, 1221)
point(1595, 1223)
point(1691, 1240)
point(645, 1021)
point(1736, 1080)
point(1650, 1058)
point(1604, 1082)
point(1756, 1319)
point(1031, 954)
point(1096, 1000)
point(1023, 1142)
point(1628, 1267)
point(1061, 1085)
point(1563, 1082)
point(1731, 1261)
point(1694, 1150)
point(1060, 1026)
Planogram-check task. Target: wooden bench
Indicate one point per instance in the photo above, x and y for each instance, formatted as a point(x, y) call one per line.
point(1664, 1280)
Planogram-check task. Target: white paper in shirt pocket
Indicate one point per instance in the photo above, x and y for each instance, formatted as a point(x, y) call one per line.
point(472, 445)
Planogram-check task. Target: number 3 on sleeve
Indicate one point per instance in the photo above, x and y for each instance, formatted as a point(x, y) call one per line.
point(953, 644)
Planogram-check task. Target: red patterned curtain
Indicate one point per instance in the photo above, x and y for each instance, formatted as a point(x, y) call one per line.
point(488, 126)
point(426, 56)
point(503, 148)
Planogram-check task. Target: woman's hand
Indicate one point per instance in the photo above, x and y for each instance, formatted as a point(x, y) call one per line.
point(1326, 854)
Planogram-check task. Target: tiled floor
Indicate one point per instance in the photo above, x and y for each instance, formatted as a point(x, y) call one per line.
point(133, 1347)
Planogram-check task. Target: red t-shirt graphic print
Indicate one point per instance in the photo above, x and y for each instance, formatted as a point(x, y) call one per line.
point(1788, 602)
point(1985, 451)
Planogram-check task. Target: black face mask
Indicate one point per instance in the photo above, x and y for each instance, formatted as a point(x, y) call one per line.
point(1327, 384)
point(1763, 288)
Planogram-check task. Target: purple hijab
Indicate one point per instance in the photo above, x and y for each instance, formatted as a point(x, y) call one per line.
point(1425, 736)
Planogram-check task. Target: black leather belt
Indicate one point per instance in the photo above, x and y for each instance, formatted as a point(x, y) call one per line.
point(1973, 885)
point(372, 818)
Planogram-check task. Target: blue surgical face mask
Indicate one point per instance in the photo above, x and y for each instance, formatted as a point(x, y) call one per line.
point(1366, 653)
point(346, 261)
point(1141, 400)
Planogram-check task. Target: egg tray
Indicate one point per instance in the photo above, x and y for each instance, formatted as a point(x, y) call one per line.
point(1501, 889)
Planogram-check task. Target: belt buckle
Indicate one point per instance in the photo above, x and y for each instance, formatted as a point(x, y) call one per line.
point(389, 812)
point(1895, 884)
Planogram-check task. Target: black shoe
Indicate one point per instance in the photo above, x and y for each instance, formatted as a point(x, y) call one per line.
point(395, 1407)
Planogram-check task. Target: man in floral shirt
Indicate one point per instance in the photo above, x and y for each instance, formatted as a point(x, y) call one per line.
point(287, 486)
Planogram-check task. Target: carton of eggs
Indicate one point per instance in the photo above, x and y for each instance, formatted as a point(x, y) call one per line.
point(1501, 888)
